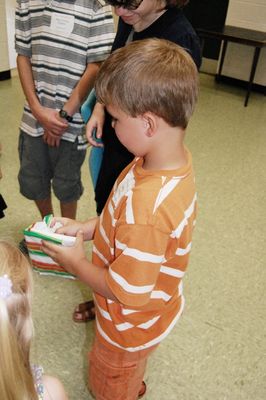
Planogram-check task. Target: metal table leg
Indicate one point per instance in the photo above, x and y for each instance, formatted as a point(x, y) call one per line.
point(224, 47)
point(252, 73)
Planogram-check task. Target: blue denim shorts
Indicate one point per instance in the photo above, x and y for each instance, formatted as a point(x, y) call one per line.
point(43, 167)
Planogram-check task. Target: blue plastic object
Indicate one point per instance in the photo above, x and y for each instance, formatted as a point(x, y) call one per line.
point(96, 153)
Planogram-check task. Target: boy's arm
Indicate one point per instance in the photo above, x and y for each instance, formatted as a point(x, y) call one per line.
point(95, 278)
point(83, 87)
point(99, 45)
point(47, 117)
point(27, 82)
point(73, 259)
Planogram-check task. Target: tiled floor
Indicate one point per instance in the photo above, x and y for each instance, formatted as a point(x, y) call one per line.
point(217, 350)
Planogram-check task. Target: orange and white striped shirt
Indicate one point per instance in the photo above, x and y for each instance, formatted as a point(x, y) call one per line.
point(143, 239)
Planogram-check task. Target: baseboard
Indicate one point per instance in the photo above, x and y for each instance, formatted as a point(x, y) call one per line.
point(240, 83)
point(5, 75)
point(14, 72)
point(208, 66)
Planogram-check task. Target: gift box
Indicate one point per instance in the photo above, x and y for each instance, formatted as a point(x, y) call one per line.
point(41, 262)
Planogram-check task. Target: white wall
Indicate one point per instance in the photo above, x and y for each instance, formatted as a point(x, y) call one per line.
point(10, 19)
point(250, 14)
point(4, 60)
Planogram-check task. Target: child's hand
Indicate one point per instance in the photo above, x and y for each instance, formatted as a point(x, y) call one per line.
point(68, 257)
point(70, 227)
point(96, 123)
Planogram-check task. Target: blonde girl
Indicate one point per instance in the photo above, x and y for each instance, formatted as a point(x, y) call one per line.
point(19, 380)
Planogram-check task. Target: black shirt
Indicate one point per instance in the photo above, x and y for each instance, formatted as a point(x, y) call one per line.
point(173, 26)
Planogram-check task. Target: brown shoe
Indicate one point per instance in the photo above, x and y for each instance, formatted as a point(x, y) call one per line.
point(84, 312)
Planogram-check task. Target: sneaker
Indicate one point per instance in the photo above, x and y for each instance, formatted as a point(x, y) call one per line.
point(23, 247)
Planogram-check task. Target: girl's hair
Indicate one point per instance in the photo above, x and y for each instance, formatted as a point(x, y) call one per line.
point(16, 329)
point(150, 75)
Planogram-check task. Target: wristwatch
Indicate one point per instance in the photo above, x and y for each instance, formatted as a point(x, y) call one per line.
point(64, 114)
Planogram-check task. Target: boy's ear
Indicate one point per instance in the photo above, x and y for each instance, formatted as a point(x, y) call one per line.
point(150, 123)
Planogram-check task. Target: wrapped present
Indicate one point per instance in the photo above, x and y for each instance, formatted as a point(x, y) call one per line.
point(41, 262)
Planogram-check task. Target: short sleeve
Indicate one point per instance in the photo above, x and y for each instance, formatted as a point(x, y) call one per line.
point(23, 28)
point(101, 34)
point(139, 254)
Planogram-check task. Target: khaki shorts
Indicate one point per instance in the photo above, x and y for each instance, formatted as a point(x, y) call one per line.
point(43, 167)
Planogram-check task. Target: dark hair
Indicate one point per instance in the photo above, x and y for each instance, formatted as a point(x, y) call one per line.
point(176, 3)
point(128, 4)
point(150, 75)
point(134, 4)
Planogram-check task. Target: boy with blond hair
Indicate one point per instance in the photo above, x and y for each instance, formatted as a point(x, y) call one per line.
point(142, 239)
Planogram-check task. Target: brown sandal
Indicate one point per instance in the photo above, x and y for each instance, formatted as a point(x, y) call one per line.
point(142, 390)
point(84, 312)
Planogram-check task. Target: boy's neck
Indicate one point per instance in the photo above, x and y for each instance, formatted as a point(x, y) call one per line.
point(170, 154)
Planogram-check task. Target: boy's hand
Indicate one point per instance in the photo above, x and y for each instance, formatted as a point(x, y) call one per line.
point(50, 121)
point(68, 257)
point(70, 227)
point(51, 139)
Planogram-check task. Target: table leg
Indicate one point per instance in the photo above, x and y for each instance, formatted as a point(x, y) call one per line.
point(224, 47)
point(202, 43)
point(252, 73)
